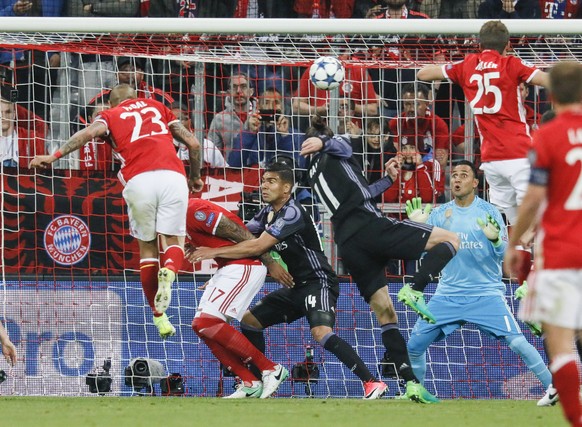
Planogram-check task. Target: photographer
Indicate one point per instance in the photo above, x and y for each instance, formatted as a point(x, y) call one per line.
point(269, 134)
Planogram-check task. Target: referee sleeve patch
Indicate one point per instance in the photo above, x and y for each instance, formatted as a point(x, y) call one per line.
point(539, 176)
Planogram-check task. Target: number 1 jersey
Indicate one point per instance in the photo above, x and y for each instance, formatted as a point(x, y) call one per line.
point(491, 82)
point(139, 131)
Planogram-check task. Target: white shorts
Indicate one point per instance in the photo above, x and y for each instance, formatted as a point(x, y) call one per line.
point(507, 180)
point(230, 291)
point(554, 297)
point(157, 202)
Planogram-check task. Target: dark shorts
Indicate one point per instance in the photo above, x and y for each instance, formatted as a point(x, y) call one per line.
point(367, 252)
point(286, 305)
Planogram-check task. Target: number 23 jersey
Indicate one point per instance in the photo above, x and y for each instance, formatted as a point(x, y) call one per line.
point(139, 131)
point(491, 82)
point(556, 160)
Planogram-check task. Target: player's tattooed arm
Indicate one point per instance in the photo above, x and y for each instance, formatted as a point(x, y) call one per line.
point(228, 229)
point(74, 143)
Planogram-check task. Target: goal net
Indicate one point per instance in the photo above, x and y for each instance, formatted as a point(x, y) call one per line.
point(71, 297)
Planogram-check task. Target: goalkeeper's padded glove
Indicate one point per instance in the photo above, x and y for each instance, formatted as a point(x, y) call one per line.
point(520, 292)
point(491, 229)
point(415, 212)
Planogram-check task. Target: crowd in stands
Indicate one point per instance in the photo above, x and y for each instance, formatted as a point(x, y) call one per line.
point(253, 114)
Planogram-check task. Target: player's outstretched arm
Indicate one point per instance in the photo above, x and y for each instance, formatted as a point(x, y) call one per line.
point(541, 78)
point(186, 137)
point(228, 229)
point(431, 72)
point(8, 349)
point(74, 143)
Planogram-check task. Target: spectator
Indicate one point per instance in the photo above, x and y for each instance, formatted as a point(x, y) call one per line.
point(369, 151)
point(18, 73)
point(326, 9)
point(450, 9)
point(560, 9)
point(239, 114)
point(96, 71)
point(212, 156)
point(18, 145)
point(429, 132)
point(509, 9)
point(268, 137)
point(532, 117)
point(96, 154)
point(348, 124)
point(131, 72)
point(414, 179)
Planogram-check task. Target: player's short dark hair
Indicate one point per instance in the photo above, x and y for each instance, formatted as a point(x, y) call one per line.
point(548, 116)
point(494, 35)
point(415, 88)
point(282, 167)
point(566, 82)
point(470, 164)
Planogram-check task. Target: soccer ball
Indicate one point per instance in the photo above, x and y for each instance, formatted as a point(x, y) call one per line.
point(326, 73)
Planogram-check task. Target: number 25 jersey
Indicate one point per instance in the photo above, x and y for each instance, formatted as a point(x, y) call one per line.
point(491, 82)
point(139, 132)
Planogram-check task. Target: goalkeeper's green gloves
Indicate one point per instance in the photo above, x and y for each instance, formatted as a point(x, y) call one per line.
point(415, 212)
point(521, 291)
point(491, 229)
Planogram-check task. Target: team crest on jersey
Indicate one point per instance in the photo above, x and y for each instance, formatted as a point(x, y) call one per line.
point(199, 215)
point(67, 239)
point(348, 87)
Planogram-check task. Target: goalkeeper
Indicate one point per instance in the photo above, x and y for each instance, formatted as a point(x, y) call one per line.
point(471, 289)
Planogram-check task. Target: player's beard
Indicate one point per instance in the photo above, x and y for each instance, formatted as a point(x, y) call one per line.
point(395, 4)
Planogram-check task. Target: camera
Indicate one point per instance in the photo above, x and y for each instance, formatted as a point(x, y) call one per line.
point(100, 381)
point(173, 385)
point(249, 205)
point(143, 373)
point(306, 372)
point(3, 376)
point(388, 367)
point(270, 115)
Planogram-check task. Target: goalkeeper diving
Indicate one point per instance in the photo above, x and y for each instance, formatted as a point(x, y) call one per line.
point(471, 289)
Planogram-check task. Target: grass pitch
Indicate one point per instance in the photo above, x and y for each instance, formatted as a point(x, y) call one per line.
point(211, 412)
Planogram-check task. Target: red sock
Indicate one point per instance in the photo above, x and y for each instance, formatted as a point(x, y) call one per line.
point(207, 326)
point(565, 377)
point(231, 361)
point(148, 273)
point(173, 258)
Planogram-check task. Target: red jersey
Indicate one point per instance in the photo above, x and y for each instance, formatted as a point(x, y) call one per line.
point(202, 220)
point(356, 85)
point(557, 152)
point(491, 85)
point(139, 132)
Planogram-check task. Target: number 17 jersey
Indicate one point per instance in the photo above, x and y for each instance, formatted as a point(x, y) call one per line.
point(139, 132)
point(491, 82)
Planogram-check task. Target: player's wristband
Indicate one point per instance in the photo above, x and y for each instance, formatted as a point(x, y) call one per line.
point(58, 154)
point(497, 243)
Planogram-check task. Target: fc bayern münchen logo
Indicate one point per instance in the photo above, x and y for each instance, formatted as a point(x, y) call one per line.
point(67, 239)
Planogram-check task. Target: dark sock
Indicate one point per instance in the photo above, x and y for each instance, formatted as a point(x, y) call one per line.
point(257, 338)
point(432, 264)
point(347, 355)
point(396, 346)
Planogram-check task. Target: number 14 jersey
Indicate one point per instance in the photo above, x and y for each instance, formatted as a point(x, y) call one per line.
point(138, 130)
point(491, 82)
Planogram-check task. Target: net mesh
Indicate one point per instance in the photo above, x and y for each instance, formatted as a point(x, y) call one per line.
point(70, 293)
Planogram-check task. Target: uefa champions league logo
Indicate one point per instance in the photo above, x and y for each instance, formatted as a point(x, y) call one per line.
point(67, 239)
